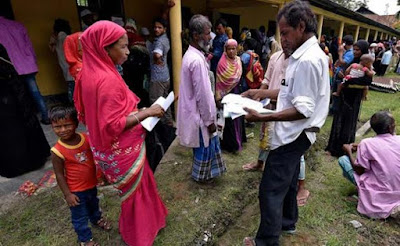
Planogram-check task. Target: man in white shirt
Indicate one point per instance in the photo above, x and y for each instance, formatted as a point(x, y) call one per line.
point(387, 56)
point(302, 107)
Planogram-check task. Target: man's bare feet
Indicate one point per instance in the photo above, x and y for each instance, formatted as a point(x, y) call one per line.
point(253, 166)
point(302, 197)
point(249, 241)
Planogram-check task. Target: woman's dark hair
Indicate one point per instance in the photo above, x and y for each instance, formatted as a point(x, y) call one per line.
point(250, 44)
point(297, 11)
point(222, 22)
point(382, 122)
point(322, 46)
point(61, 25)
point(160, 20)
point(364, 48)
point(63, 112)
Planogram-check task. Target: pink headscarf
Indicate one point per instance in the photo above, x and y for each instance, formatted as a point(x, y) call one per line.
point(101, 96)
point(229, 71)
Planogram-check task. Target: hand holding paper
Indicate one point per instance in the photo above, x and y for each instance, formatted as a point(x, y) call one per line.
point(165, 103)
point(234, 106)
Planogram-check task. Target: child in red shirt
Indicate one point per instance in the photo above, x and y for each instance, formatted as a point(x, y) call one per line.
point(76, 173)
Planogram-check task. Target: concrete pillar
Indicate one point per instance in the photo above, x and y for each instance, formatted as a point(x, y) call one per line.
point(387, 36)
point(356, 33)
point(320, 24)
point(175, 18)
point(340, 37)
point(278, 33)
point(381, 37)
point(376, 35)
point(367, 34)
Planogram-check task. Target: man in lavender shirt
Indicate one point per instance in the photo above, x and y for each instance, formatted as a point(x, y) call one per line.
point(14, 37)
point(376, 170)
point(196, 117)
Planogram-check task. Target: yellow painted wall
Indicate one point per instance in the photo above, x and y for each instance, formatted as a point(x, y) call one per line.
point(144, 11)
point(253, 17)
point(38, 17)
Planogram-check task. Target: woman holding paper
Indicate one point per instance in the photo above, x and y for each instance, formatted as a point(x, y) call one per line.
point(229, 72)
point(109, 109)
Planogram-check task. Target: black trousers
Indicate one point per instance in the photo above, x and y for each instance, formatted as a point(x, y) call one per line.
point(278, 190)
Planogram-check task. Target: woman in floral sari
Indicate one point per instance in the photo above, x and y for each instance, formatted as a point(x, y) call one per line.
point(109, 109)
point(229, 72)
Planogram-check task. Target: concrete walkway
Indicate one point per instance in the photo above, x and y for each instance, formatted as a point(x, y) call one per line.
point(10, 185)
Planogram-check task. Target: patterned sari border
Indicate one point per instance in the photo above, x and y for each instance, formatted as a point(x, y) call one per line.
point(134, 169)
point(133, 188)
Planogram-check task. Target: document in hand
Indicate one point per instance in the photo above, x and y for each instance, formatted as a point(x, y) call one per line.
point(234, 104)
point(165, 103)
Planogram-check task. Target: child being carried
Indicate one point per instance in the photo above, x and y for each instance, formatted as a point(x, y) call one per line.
point(357, 70)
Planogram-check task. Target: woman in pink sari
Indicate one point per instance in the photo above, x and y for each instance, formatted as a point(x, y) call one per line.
point(229, 72)
point(109, 110)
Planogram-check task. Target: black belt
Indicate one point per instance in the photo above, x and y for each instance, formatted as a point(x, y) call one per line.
point(312, 129)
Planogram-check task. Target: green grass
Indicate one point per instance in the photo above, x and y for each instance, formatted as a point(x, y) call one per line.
point(227, 209)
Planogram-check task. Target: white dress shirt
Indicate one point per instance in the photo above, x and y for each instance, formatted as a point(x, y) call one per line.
point(306, 88)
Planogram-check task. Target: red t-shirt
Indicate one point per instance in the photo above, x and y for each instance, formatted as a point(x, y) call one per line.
point(79, 167)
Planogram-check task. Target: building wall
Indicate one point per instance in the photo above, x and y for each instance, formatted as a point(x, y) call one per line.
point(145, 11)
point(38, 18)
point(253, 17)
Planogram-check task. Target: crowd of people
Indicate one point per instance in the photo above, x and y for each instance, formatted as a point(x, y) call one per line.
point(115, 73)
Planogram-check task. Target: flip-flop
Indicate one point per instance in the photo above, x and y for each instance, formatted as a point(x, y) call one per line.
point(303, 200)
point(251, 167)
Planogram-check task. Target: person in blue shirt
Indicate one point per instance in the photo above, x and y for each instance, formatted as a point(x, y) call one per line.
point(218, 43)
point(387, 56)
point(345, 58)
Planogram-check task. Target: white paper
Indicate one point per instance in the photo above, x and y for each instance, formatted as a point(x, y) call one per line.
point(234, 106)
point(150, 122)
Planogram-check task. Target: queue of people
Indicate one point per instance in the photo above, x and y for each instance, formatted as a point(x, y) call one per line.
point(115, 74)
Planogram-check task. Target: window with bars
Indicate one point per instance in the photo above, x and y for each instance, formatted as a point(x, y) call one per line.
point(83, 3)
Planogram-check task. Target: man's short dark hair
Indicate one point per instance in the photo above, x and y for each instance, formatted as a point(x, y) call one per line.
point(63, 112)
point(262, 29)
point(381, 122)
point(160, 20)
point(348, 40)
point(222, 22)
point(297, 11)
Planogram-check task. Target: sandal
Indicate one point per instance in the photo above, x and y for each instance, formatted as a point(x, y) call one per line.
point(104, 224)
point(89, 243)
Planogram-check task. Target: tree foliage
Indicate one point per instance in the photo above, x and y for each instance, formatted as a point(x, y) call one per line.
point(352, 4)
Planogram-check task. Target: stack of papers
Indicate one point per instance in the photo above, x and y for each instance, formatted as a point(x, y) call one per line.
point(234, 106)
point(150, 122)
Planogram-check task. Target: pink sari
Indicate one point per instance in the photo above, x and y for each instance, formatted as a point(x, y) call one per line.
point(229, 72)
point(103, 102)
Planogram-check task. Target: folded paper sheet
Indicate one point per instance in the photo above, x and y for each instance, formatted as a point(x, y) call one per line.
point(165, 103)
point(234, 106)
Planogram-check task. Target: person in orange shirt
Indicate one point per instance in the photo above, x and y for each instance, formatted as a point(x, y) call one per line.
point(76, 173)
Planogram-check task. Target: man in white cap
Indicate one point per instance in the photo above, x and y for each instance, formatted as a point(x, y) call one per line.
point(371, 50)
point(146, 36)
point(87, 18)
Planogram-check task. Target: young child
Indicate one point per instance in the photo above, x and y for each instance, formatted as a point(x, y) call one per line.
point(357, 71)
point(76, 174)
